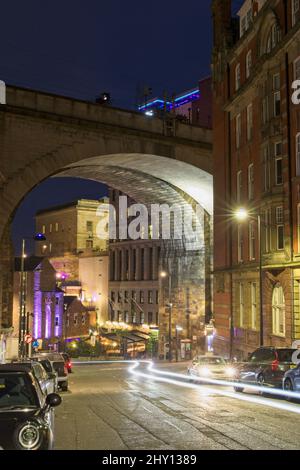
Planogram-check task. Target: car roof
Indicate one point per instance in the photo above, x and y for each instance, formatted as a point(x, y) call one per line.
point(16, 367)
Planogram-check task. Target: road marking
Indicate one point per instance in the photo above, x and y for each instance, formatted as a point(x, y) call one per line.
point(173, 425)
point(149, 411)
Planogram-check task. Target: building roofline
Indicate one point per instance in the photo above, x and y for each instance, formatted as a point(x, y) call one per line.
point(68, 205)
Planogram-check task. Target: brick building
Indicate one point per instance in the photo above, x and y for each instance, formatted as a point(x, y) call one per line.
point(256, 57)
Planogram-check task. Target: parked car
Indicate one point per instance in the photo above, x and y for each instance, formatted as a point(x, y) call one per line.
point(291, 379)
point(265, 367)
point(26, 414)
point(68, 361)
point(47, 384)
point(58, 364)
point(47, 365)
point(215, 367)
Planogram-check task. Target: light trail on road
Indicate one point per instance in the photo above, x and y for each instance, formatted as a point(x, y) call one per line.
point(246, 398)
point(183, 381)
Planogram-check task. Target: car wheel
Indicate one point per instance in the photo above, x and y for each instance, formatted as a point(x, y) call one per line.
point(261, 383)
point(288, 386)
point(64, 387)
point(238, 389)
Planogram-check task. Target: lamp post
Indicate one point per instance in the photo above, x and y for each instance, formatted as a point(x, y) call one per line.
point(178, 330)
point(164, 275)
point(242, 215)
point(22, 311)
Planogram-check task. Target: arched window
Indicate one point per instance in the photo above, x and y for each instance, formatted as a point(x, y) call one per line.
point(273, 37)
point(278, 311)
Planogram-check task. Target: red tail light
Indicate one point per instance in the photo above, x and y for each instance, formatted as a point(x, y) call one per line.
point(69, 365)
point(275, 365)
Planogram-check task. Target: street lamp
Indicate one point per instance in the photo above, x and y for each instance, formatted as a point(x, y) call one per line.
point(22, 315)
point(178, 330)
point(164, 275)
point(243, 215)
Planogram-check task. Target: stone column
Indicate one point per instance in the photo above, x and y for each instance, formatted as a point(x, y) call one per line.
point(146, 263)
point(138, 265)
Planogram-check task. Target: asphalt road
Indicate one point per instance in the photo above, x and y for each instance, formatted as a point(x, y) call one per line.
point(107, 408)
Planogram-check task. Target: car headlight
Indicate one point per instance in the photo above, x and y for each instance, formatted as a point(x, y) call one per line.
point(204, 371)
point(29, 436)
point(230, 371)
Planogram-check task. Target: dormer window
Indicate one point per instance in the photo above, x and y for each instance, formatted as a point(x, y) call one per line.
point(273, 38)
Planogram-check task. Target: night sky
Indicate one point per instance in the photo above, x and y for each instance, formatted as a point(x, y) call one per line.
point(82, 48)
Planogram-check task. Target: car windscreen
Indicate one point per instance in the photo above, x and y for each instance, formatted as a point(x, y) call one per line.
point(212, 360)
point(46, 365)
point(16, 390)
point(285, 355)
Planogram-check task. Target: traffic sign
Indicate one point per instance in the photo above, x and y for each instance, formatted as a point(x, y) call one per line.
point(35, 344)
point(28, 339)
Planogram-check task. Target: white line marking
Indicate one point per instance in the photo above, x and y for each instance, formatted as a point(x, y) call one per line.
point(173, 425)
point(149, 411)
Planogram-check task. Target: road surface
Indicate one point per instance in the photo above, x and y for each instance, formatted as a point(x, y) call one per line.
point(108, 408)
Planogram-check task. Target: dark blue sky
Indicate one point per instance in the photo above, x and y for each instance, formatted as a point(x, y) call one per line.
point(81, 48)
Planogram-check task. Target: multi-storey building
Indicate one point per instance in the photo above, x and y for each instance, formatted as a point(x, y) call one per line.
point(256, 58)
point(76, 252)
point(133, 277)
point(193, 106)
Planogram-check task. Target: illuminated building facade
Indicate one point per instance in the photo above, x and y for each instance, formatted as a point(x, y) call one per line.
point(76, 252)
point(256, 58)
point(192, 106)
point(44, 300)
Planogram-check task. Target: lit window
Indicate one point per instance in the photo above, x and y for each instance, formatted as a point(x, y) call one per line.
point(50, 228)
point(44, 229)
point(142, 318)
point(150, 297)
point(56, 227)
point(278, 311)
point(253, 305)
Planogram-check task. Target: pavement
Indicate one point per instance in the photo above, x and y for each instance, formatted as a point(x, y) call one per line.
point(108, 408)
